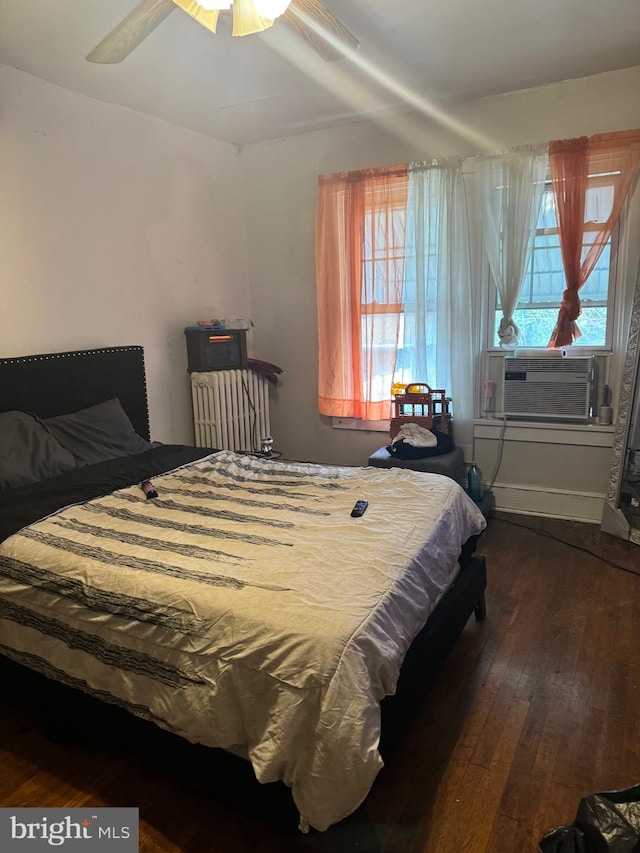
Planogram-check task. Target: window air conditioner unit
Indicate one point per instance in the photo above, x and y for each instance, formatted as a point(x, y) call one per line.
point(548, 388)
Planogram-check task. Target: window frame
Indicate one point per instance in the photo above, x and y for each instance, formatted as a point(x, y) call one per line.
point(612, 300)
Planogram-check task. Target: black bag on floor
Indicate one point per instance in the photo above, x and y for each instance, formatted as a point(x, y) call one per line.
point(608, 822)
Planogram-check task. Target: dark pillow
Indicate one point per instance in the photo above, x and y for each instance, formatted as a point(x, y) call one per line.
point(28, 452)
point(98, 433)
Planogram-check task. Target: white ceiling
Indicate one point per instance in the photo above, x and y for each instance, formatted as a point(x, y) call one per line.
point(272, 85)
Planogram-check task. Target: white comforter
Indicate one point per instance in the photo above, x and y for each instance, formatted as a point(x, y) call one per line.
point(244, 608)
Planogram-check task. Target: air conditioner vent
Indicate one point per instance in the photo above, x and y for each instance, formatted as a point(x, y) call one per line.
point(548, 388)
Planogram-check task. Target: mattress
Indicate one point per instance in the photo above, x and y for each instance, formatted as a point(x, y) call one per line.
point(243, 608)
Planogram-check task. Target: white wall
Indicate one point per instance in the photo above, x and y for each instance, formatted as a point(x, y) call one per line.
point(280, 180)
point(115, 228)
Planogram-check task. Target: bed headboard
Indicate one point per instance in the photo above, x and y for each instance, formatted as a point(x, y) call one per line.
point(57, 383)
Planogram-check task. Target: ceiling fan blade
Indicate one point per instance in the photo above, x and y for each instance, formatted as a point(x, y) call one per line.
point(131, 31)
point(320, 27)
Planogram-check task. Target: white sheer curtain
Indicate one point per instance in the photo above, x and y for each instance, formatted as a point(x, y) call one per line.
point(510, 188)
point(435, 344)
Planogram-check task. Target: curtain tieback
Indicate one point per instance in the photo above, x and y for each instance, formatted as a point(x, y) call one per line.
point(566, 330)
point(508, 332)
point(571, 305)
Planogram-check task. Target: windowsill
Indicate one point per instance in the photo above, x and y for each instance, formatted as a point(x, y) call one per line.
point(355, 423)
point(563, 352)
point(587, 426)
point(545, 432)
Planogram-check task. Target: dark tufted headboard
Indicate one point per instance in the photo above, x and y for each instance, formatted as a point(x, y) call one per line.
point(53, 384)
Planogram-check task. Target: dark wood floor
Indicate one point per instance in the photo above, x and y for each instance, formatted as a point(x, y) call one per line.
point(536, 707)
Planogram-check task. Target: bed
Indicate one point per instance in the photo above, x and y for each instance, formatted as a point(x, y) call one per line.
point(242, 607)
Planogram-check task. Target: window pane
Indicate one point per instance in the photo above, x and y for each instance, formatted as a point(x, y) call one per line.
point(596, 287)
point(379, 351)
point(547, 218)
point(409, 325)
point(599, 202)
point(536, 325)
point(383, 260)
point(546, 273)
point(382, 275)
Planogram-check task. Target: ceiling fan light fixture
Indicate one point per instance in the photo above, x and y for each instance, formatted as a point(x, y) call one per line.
point(205, 12)
point(246, 19)
point(309, 18)
point(271, 9)
point(249, 16)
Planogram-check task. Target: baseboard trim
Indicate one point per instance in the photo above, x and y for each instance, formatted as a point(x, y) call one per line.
point(549, 503)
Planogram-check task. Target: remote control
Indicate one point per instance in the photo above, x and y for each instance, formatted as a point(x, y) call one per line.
point(359, 508)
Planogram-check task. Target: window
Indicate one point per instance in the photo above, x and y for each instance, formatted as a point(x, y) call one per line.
point(537, 309)
point(361, 221)
point(393, 288)
point(388, 328)
point(380, 310)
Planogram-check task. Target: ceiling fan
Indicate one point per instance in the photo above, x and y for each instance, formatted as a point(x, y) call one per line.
point(309, 18)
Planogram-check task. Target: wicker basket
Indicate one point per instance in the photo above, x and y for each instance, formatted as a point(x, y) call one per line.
point(420, 404)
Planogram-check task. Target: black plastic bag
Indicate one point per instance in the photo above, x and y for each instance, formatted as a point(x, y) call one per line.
point(608, 822)
point(563, 839)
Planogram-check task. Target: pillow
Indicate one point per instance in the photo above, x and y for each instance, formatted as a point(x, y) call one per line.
point(28, 452)
point(96, 434)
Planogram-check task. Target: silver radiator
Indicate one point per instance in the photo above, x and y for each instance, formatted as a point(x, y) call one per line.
point(230, 409)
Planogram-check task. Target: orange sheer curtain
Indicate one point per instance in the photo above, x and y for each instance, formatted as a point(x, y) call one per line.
point(360, 237)
point(575, 164)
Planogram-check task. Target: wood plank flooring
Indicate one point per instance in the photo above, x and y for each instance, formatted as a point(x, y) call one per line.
point(535, 708)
